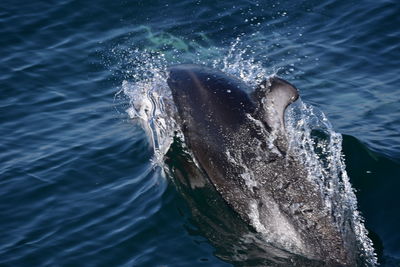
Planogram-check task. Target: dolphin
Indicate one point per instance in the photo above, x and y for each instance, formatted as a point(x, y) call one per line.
point(238, 138)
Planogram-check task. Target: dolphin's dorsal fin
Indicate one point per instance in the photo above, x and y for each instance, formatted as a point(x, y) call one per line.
point(273, 96)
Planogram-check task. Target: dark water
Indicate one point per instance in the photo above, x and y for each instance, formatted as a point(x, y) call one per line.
point(77, 186)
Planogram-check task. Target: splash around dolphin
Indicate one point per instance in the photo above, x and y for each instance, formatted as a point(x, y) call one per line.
point(240, 142)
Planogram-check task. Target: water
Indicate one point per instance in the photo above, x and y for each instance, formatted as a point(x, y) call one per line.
point(78, 185)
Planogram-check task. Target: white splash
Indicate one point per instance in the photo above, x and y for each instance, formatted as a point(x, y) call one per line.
point(150, 103)
point(322, 156)
point(238, 64)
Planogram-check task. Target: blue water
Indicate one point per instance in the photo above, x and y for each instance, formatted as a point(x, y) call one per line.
point(77, 186)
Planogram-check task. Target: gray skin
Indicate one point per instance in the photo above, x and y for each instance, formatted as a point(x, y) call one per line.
point(239, 141)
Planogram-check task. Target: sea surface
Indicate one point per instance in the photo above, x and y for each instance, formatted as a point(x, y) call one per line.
point(78, 182)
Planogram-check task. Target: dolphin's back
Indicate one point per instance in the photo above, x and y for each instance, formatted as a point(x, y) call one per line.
point(210, 93)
